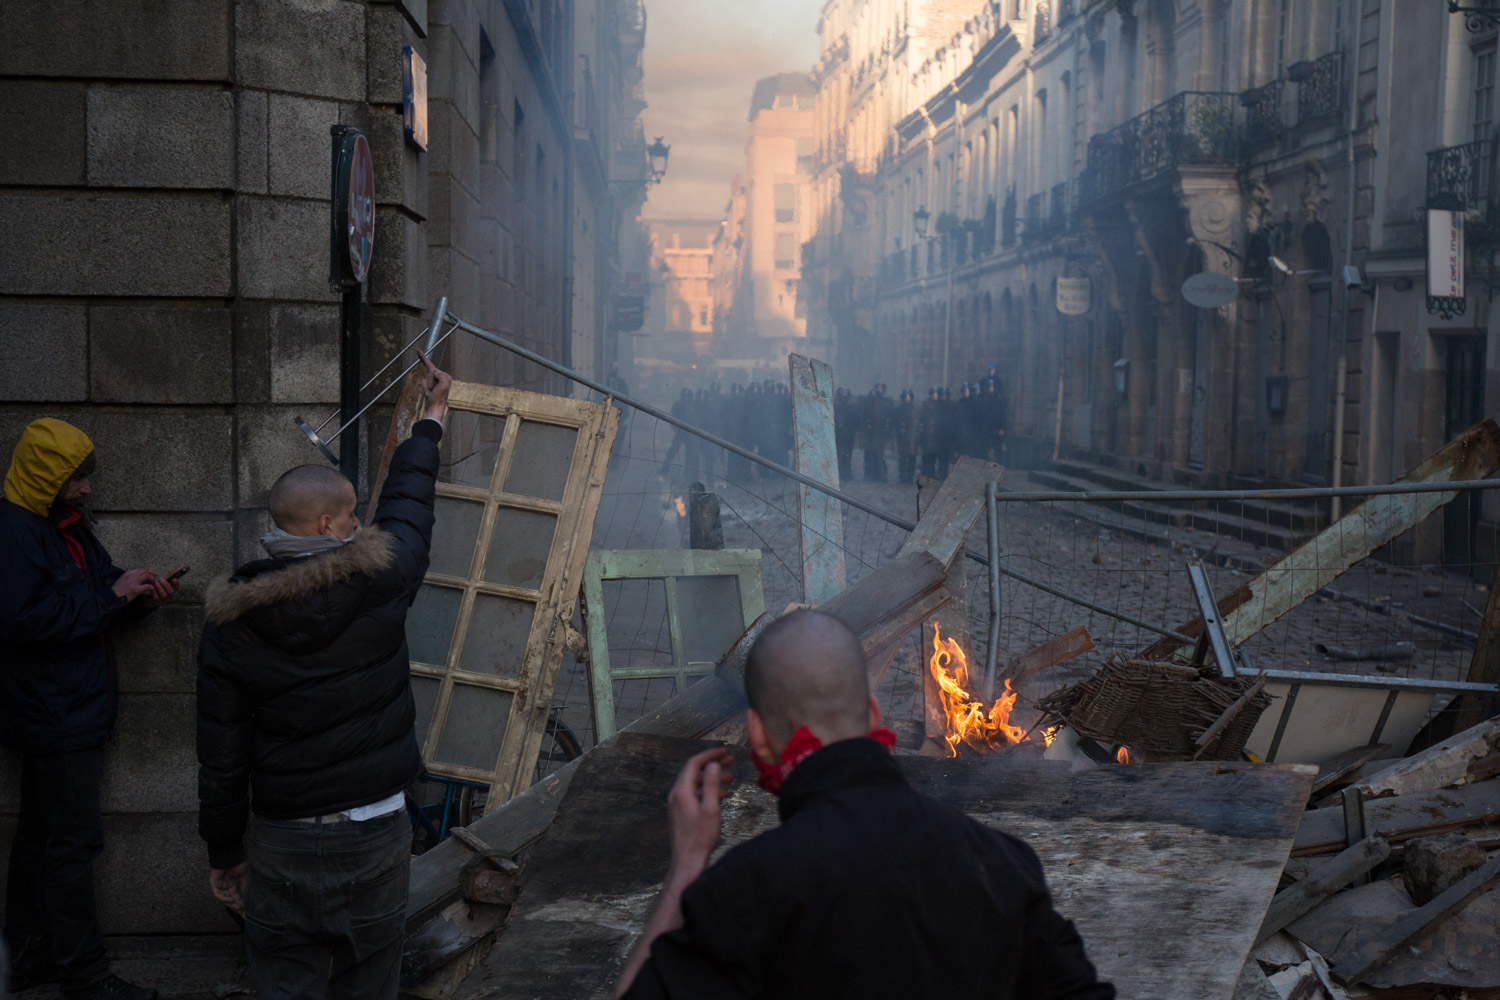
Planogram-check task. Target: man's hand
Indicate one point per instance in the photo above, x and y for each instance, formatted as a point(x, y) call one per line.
point(435, 388)
point(135, 583)
point(163, 590)
point(693, 810)
point(228, 885)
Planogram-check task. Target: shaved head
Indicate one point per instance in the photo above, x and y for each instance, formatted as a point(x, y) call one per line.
point(807, 669)
point(306, 493)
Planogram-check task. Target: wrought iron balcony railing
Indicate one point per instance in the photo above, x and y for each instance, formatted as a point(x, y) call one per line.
point(1462, 179)
point(1263, 118)
point(1036, 218)
point(1320, 88)
point(1194, 128)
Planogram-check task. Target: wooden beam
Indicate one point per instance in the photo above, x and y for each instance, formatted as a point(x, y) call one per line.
point(1376, 952)
point(1251, 607)
point(1227, 716)
point(1322, 882)
point(945, 524)
point(1345, 764)
point(1438, 766)
point(820, 517)
point(1402, 817)
point(1058, 649)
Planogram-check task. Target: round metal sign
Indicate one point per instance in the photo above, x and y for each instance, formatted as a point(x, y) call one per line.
point(361, 188)
point(1209, 290)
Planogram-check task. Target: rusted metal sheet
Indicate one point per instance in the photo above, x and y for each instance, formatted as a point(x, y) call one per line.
point(1473, 455)
point(820, 517)
point(946, 522)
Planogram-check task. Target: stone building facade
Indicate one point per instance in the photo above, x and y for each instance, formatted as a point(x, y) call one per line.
point(164, 212)
point(770, 314)
point(1133, 144)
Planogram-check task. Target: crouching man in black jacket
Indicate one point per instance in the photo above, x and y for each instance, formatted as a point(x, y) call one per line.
point(305, 718)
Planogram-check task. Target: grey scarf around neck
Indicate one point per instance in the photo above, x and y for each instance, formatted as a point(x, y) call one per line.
point(284, 545)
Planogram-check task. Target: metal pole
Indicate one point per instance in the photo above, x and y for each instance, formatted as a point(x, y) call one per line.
point(992, 520)
point(351, 314)
point(439, 311)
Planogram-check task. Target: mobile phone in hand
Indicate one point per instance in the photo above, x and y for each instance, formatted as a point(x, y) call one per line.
point(178, 575)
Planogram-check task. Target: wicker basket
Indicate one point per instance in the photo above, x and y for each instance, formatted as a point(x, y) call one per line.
point(1159, 707)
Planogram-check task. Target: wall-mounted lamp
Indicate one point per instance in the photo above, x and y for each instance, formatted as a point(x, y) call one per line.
point(658, 151)
point(919, 222)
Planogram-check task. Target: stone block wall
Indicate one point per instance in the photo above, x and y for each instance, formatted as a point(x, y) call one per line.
point(163, 257)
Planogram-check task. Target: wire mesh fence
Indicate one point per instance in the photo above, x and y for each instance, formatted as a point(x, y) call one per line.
point(1411, 609)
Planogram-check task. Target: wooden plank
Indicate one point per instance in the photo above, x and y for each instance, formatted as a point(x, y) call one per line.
point(942, 528)
point(1322, 882)
point(1058, 649)
point(1133, 855)
point(1402, 817)
point(1227, 716)
point(820, 517)
point(1375, 953)
point(1345, 764)
point(952, 622)
point(1438, 766)
point(886, 591)
point(1317, 563)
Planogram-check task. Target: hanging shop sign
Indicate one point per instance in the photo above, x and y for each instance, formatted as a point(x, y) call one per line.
point(352, 224)
point(1445, 254)
point(414, 97)
point(1073, 296)
point(1209, 290)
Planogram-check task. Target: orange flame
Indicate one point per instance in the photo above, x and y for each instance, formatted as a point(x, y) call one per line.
point(681, 507)
point(1049, 734)
point(1122, 755)
point(966, 719)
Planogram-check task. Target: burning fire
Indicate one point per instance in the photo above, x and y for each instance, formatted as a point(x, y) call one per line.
point(681, 507)
point(967, 720)
point(1122, 755)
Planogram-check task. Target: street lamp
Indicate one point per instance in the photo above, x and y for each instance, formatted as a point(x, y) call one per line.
point(658, 152)
point(919, 222)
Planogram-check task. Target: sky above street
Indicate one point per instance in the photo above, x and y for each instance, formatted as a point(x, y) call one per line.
point(702, 59)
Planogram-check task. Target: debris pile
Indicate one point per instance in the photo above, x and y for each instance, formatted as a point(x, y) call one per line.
point(1390, 889)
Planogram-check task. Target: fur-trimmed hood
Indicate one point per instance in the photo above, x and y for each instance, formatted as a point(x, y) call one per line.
point(272, 582)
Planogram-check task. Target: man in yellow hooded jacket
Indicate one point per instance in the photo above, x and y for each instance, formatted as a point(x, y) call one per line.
point(61, 598)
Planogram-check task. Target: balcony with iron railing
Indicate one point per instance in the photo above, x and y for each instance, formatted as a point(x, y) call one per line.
point(1462, 179)
point(1320, 88)
point(1264, 121)
point(1193, 128)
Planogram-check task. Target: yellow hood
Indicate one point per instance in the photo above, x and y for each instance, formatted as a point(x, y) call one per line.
point(47, 455)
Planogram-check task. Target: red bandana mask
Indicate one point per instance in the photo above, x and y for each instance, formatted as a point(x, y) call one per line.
point(801, 746)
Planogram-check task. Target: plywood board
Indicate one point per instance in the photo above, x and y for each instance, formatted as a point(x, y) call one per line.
point(1327, 720)
point(1167, 869)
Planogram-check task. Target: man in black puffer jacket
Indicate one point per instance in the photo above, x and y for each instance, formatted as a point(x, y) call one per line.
point(305, 716)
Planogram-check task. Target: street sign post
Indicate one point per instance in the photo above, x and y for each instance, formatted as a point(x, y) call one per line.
point(351, 246)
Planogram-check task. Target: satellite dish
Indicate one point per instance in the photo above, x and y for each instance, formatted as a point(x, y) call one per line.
point(1209, 290)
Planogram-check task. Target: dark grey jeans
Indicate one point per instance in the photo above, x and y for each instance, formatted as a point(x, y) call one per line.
point(325, 907)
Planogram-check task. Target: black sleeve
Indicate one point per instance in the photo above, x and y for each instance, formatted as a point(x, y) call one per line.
point(405, 508)
point(1055, 965)
point(37, 607)
point(717, 952)
point(225, 734)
